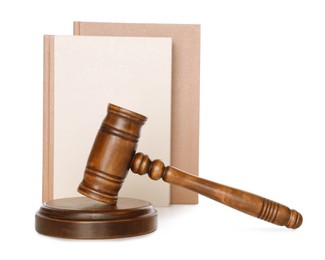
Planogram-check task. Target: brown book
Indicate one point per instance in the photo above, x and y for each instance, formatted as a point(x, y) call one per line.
point(185, 89)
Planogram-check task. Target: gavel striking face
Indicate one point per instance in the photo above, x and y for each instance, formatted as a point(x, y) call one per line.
point(113, 154)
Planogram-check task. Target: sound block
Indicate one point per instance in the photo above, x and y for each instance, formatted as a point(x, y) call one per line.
point(84, 218)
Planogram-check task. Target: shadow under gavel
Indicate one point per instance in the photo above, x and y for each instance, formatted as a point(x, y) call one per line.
point(113, 154)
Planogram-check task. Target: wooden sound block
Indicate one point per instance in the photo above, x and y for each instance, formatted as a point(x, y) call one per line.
point(84, 218)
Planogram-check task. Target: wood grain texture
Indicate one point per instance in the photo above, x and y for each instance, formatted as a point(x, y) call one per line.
point(83, 218)
point(185, 89)
point(243, 201)
point(113, 153)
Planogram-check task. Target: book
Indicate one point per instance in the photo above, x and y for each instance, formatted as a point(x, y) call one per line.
point(81, 76)
point(185, 89)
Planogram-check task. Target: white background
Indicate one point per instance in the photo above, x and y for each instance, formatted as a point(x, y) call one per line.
point(262, 127)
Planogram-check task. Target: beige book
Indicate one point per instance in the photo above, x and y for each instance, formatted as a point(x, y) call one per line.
point(185, 89)
point(81, 76)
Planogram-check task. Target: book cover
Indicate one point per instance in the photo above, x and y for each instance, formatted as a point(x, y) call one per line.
point(185, 89)
point(81, 76)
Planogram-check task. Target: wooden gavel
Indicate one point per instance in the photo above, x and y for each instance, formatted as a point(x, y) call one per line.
point(113, 154)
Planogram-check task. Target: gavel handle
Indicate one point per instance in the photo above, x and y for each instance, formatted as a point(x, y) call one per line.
point(243, 201)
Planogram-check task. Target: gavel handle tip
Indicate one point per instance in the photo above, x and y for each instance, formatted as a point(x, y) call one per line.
point(295, 220)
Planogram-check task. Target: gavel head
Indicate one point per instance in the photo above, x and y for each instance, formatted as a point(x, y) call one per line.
point(112, 154)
